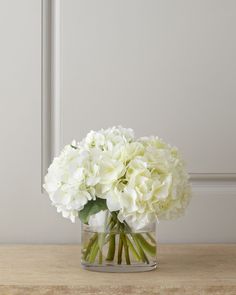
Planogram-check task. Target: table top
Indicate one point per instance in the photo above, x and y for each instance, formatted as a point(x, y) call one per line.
point(55, 269)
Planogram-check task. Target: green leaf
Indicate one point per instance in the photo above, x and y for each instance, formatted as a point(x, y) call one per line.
point(92, 207)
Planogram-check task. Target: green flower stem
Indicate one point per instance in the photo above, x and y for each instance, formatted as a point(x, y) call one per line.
point(101, 243)
point(111, 239)
point(132, 249)
point(145, 245)
point(151, 238)
point(101, 240)
point(126, 248)
point(141, 252)
point(90, 244)
point(112, 247)
point(110, 224)
point(94, 252)
point(120, 248)
point(100, 257)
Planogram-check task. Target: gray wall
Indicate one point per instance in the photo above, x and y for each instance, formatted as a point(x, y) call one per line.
point(161, 67)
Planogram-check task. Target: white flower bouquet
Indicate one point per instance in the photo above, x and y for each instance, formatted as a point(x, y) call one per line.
point(119, 187)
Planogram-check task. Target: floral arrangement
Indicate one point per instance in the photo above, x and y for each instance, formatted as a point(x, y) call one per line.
point(110, 175)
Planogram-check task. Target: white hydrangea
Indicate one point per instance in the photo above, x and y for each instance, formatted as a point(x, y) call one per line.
point(142, 179)
point(66, 181)
point(155, 185)
point(86, 170)
point(110, 139)
point(168, 167)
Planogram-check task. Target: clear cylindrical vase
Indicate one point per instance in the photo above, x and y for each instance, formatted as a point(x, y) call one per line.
point(109, 245)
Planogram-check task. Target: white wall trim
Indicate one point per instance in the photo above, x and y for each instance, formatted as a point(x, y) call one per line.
point(213, 177)
point(45, 86)
point(228, 188)
point(51, 96)
point(50, 83)
point(56, 76)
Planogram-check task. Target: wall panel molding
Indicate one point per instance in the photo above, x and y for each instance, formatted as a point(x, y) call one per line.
point(56, 113)
point(45, 86)
point(50, 83)
point(213, 177)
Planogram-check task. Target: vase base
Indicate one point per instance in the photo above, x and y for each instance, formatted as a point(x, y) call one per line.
point(119, 268)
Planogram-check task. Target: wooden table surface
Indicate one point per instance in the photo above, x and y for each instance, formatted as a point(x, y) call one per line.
point(55, 269)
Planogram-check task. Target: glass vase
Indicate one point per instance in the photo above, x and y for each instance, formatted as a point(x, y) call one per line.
point(111, 246)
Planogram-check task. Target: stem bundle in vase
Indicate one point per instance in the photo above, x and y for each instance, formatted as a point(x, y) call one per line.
point(118, 244)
